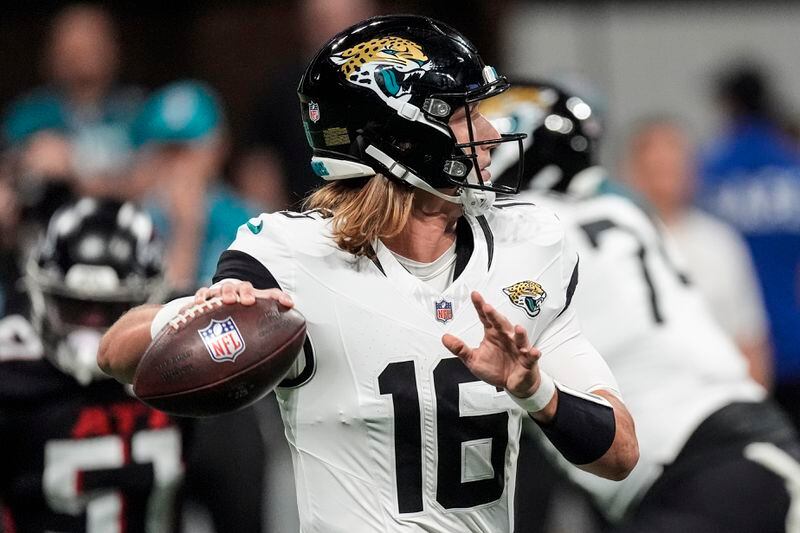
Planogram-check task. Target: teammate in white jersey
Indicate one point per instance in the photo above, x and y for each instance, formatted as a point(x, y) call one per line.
point(400, 263)
point(714, 455)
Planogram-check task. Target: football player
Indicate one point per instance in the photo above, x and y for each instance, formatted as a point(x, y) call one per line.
point(79, 452)
point(401, 263)
point(715, 456)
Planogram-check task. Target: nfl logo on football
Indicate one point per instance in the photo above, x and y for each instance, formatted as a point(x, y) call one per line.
point(313, 111)
point(222, 340)
point(444, 311)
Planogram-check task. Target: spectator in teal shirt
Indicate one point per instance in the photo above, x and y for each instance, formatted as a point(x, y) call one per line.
point(182, 152)
point(75, 127)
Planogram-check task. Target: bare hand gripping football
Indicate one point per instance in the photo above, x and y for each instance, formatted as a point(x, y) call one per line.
point(222, 353)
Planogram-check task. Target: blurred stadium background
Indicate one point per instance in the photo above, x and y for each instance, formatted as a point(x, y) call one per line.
point(630, 60)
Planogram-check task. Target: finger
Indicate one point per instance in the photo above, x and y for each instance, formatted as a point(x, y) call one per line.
point(497, 319)
point(457, 347)
point(521, 337)
point(275, 294)
point(529, 356)
point(479, 302)
point(229, 293)
point(246, 293)
point(200, 295)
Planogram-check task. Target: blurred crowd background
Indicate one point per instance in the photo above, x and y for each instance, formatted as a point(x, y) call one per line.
point(190, 109)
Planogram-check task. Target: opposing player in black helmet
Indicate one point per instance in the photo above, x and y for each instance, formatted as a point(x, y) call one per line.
point(80, 453)
point(97, 260)
point(714, 455)
point(402, 262)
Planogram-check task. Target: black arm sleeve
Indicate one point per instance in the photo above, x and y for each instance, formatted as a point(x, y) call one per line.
point(582, 430)
point(240, 265)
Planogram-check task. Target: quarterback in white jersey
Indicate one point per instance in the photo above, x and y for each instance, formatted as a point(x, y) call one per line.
point(402, 263)
point(388, 431)
point(684, 379)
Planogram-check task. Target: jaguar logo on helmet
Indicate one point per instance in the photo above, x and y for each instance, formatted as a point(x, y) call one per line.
point(386, 66)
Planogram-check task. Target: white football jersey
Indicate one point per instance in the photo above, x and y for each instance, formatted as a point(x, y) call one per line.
point(388, 431)
point(671, 359)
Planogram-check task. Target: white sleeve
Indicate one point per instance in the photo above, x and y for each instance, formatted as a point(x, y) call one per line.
point(567, 355)
point(570, 359)
point(167, 313)
point(262, 239)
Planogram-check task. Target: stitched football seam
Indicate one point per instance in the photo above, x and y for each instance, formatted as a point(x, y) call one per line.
point(189, 314)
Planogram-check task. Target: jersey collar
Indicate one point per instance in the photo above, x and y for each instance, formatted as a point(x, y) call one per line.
point(474, 254)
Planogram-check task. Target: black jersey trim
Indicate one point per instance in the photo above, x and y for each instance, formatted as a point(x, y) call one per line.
point(465, 244)
point(235, 264)
point(378, 264)
point(487, 233)
point(308, 371)
point(573, 283)
point(374, 258)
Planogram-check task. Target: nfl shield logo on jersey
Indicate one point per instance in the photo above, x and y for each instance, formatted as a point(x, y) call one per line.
point(444, 311)
point(313, 111)
point(222, 340)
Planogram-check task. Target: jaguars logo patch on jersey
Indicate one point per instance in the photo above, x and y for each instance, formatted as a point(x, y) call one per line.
point(528, 295)
point(384, 66)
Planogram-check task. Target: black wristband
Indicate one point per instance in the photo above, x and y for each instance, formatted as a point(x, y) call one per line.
point(582, 429)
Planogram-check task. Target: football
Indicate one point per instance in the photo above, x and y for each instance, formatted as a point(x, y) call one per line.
point(215, 358)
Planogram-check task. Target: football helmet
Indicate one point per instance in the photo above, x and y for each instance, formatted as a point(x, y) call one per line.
point(378, 97)
point(563, 132)
point(96, 260)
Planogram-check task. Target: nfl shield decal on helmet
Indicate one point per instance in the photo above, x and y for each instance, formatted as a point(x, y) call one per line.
point(313, 111)
point(222, 340)
point(444, 311)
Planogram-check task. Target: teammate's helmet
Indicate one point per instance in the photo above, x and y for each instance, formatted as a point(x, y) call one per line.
point(97, 259)
point(562, 133)
point(378, 98)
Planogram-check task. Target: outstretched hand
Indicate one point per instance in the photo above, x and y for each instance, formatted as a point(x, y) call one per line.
point(504, 358)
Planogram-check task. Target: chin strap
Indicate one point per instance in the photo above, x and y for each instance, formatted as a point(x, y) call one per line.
point(475, 202)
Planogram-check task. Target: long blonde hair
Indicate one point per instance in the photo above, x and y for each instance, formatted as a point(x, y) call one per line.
point(361, 214)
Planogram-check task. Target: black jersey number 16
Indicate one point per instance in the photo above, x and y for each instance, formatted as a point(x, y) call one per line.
point(399, 379)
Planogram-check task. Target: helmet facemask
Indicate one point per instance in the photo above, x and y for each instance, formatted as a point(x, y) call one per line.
point(463, 169)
